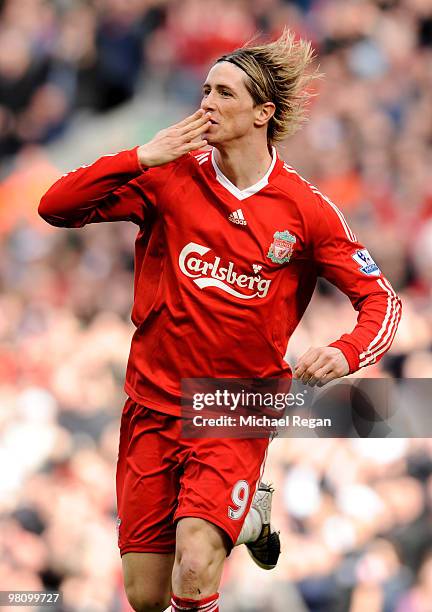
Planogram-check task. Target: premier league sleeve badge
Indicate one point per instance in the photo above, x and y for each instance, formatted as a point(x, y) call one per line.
point(366, 263)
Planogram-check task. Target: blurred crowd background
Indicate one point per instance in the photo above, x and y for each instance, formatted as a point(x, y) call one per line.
point(83, 78)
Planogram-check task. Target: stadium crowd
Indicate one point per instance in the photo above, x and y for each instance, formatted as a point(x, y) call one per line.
point(355, 514)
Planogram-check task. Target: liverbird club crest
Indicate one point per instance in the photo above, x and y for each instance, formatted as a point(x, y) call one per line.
point(282, 247)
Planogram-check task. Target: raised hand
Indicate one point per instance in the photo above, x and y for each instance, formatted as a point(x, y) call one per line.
point(173, 142)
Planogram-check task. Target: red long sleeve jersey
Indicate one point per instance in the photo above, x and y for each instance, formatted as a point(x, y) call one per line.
point(223, 276)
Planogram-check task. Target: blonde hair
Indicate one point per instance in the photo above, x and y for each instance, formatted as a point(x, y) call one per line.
point(276, 72)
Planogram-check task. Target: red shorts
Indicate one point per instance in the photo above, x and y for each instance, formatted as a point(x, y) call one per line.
point(162, 477)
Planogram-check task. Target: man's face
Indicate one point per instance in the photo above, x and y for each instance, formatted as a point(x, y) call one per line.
point(229, 103)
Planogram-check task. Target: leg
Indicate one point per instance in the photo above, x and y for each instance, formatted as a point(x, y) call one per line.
point(147, 580)
point(215, 496)
point(201, 549)
point(147, 490)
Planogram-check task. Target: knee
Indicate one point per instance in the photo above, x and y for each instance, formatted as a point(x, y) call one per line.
point(143, 600)
point(200, 555)
point(192, 569)
point(196, 551)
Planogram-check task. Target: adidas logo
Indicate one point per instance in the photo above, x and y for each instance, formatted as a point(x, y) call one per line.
point(237, 217)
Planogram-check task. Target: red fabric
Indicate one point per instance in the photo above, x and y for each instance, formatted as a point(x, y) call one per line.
point(207, 604)
point(162, 477)
point(202, 306)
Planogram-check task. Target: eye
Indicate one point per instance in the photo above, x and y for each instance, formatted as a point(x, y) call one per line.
point(226, 94)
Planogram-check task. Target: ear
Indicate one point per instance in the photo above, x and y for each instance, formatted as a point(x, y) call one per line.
point(263, 113)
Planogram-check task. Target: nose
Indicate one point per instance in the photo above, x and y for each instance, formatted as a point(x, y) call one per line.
point(207, 102)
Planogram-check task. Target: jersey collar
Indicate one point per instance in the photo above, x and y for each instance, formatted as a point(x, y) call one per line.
point(242, 194)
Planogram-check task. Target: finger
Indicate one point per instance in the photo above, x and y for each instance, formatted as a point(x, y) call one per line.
point(191, 136)
point(309, 375)
point(321, 361)
point(193, 146)
point(199, 114)
point(320, 374)
point(327, 378)
point(306, 376)
point(304, 362)
point(300, 370)
point(300, 367)
point(194, 125)
point(309, 379)
point(309, 355)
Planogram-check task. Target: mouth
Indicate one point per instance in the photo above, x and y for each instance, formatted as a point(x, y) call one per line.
point(213, 122)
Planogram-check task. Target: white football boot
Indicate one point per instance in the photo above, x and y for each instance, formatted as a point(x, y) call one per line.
point(265, 550)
